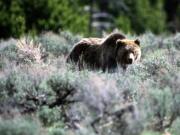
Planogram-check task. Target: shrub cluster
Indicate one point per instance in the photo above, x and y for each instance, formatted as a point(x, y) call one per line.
point(41, 94)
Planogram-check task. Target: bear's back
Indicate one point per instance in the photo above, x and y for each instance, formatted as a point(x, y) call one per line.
point(91, 41)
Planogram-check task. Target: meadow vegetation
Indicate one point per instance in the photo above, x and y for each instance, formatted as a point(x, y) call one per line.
point(41, 94)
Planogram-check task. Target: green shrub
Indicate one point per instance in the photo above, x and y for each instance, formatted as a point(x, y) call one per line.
point(8, 50)
point(123, 23)
point(54, 44)
point(12, 21)
point(19, 126)
point(143, 16)
point(19, 17)
point(49, 116)
point(175, 127)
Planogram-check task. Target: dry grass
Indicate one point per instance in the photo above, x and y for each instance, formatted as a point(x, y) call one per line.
point(29, 50)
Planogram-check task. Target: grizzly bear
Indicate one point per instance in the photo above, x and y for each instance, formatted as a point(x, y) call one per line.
point(105, 53)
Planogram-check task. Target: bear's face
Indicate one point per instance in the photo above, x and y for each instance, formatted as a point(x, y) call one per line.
point(127, 51)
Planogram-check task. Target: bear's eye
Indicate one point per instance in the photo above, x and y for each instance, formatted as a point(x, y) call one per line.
point(132, 52)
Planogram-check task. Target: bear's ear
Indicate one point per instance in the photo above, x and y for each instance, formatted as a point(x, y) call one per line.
point(137, 42)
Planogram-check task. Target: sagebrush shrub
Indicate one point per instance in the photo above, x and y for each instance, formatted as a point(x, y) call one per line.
point(143, 100)
point(20, 126)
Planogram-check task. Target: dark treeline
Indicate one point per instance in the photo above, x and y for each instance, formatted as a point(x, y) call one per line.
point(18, 17)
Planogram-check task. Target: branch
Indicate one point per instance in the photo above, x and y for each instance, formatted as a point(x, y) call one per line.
point(62, 100)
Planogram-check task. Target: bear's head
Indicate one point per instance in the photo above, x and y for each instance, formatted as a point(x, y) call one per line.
point(127, 51)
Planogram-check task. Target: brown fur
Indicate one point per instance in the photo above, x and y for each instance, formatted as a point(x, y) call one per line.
point(104, 53)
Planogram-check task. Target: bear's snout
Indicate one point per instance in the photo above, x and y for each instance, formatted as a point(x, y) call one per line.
point(130, 61)
point(130, 58)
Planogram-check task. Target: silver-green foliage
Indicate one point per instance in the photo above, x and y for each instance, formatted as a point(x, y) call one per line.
point(66, 101)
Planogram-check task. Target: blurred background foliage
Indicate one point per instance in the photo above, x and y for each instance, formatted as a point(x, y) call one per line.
point(130, 16)
point(24, 16)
